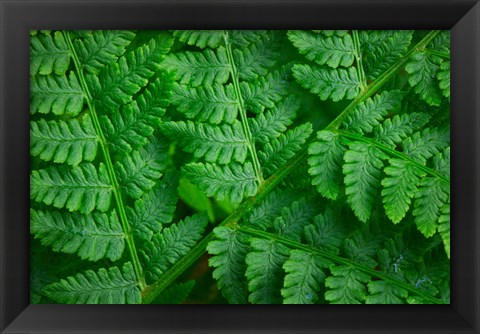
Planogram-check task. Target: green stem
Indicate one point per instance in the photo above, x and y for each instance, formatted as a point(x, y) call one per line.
point(394, 153)
point(337, 259)
point(358, 57)
point(380, 81)
point(243, 112)
point(231, 221)
point(108, 162)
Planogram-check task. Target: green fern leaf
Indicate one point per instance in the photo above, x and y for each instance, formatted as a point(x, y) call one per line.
point(49, 54)
point(270, 124)
point(171, 244)
point(232, 181)
point(229, 251)
point(383, 48)
point(264, 271)
point(362, 169)
point(294, 218)
point(265, 92)
point(444, 78)
point(79, 188)
point(393, 130)
point(110, 286)
point(220, 144)
point(60, 95)
point(200, 38)
point(431, 196)
point(138, 172)
point(334, 51)
point(444, 227)
point(347, 285)
point(368, 114)
point(254, 61)
point(199, 68)
point(423, 145)
point(101, 47)
point(118, 82)
point(383, 292)
point(71, 142)
point(280, 150)
point(304, 278)
point(325, 233)
point(92, 237)
point(336, 84)
point(263, 215)
point(423, 69)
point(399, 188)
point(325, 161)
point(130, 128)
point(155, 208)
point(214, 104)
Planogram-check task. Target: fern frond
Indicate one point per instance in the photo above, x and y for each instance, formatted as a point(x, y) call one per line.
point(92, 237)
point(256, 60)
point(59, 141)
point(383, 48)
point(346, 285)
point(334, 51)
point(200, 38)
point(155, 208)
point(263, 215)
point(423, 68)
point(294, 218)
point(444, 226)
point(399, 187)
point(79, 188)
point(281, 149)
point(444, 78)
point(362, 169)
point(171, 244)
point(214, 104)
point(325, 161)
point(60, 95)
point(368, 114)
point(264, 92)
point(265, 272)
point(424, 144)
point(429, 199)
point(222, 144)
point(118, 82)
point(304, 278)
point(49, 54)
point(199, 68)
point(130, 128)
point(110, 286)
point(229, 251)
point(393, 130)
point(101, 47)
point(233, 181)
point(336, 84)
point(270, 124)
point(325, 233)
point(138, 172)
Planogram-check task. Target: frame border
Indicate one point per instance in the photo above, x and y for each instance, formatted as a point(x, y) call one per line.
point(17, 17)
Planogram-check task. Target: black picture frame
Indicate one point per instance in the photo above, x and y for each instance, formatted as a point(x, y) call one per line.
point(17, 17)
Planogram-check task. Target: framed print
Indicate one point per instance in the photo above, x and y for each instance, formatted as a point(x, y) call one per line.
point(212, 153)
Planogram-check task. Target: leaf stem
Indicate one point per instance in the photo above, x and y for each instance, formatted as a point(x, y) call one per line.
point(337, 259)
point(380, 81)
point(266, 187)
point(242, 111)
point(108, 162)
point(394, 153)
point(358, 57)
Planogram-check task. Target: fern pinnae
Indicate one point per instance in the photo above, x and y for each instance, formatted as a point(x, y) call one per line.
point(111, 173)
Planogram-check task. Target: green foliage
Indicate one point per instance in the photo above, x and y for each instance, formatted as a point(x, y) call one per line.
point(312, 166)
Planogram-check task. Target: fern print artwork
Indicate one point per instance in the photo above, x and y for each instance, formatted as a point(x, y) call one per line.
point(240, 167)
